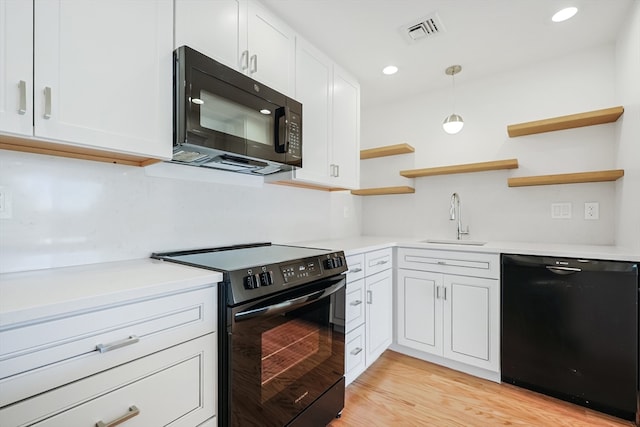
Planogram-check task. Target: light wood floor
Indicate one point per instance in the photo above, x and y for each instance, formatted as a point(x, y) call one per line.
point(398, 390)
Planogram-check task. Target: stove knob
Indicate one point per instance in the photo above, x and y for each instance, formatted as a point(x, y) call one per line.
point(339, 261)
point(251, 282)
point(329, 263)
point(266, 278)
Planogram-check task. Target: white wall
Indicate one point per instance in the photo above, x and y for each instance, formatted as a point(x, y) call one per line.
point(577, 83)
point(71, 212)
point(628, 131)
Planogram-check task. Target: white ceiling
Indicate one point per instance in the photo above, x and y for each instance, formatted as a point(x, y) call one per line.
point(484, 36)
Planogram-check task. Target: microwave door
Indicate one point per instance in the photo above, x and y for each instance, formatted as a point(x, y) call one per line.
point(224, 117)
point(281, 129)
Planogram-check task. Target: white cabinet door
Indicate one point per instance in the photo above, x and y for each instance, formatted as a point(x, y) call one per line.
point(471, 321)
point(379, 313)
point(16, 57)
point(271, 49)
point(215, 28)
point(313, 90)
point(345, 146)
point(103, 74)
point(419, 310)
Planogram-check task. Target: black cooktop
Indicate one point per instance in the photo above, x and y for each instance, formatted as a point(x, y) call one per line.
point(261, 269)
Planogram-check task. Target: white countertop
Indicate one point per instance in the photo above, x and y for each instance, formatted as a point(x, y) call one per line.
point(359, 244)
point(30, 295)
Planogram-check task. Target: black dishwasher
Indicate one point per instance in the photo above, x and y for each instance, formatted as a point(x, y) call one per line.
point(570, 330)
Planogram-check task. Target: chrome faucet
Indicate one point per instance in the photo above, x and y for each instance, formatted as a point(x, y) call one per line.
point(455, 212)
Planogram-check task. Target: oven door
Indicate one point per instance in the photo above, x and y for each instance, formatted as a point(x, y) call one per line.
point(286, 352)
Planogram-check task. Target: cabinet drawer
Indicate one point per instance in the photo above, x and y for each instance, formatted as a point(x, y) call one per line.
point(355, 304)
point(355, 352)
point(378, 261)
point(174, 387)
point(451, 262)
point(356, 267)
point(81, 344)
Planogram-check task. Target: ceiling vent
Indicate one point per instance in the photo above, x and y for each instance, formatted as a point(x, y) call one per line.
point(428, 27)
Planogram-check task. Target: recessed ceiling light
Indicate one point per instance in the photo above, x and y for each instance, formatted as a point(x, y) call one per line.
point(265, 111)
point(390, 69)
point(564, 14)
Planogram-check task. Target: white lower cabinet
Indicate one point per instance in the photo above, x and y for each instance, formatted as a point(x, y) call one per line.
point(454, 316)
point(165, 388)
point(369, 309)
point(151, 361)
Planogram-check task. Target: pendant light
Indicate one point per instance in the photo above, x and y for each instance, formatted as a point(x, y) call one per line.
point(453, 124)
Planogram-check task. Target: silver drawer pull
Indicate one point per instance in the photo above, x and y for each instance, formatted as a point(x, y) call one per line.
point(442, 263)
point(103, 348)
point(355, 270)
point(384, 261)
point(356, 302)
point(47, 102)
point(22, 108)
point(133, 412)
point(356, 351)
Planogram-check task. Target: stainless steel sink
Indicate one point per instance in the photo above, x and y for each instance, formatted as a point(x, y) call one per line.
point(455, 242)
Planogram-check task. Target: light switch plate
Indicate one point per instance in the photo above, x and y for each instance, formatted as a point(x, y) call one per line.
point(561, 210)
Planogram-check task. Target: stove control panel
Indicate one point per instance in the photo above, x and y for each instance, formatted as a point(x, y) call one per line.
point(301, 270)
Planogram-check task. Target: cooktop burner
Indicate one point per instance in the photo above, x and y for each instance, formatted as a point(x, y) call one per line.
point(261, 269)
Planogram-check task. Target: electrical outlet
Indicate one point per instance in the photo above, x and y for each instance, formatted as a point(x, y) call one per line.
point(561, 210)
point(592, 210)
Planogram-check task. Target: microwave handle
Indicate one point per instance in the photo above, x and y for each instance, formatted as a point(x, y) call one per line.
point(281, 129)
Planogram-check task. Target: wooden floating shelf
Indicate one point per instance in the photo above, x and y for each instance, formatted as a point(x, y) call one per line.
point(383, 190)
point(465, 168)
point(308, 186)
point(26, 145)
point(597, 117)
point(388, 150)
point(567, 178)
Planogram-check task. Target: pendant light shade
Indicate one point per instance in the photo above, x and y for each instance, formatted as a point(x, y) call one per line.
point(453, 123)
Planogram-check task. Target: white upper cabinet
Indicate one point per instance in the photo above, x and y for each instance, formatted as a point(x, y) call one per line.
point(16, 85)
point(314, 73)
point(101, 76)
point(242, 35)
point(330, 124)
point(270, 50)
point(345, 146)
point(217, 28)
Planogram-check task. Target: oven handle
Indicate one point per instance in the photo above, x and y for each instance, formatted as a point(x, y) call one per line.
point(290, 304)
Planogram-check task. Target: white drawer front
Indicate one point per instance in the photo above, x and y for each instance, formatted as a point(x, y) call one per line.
point(378, 261)
point(356, 267)
point(174, 387)
point(355, 362)
point(452, 262)
point(69, 347)
point(355, 304)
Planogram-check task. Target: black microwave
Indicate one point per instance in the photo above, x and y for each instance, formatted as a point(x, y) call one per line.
point(226, 120)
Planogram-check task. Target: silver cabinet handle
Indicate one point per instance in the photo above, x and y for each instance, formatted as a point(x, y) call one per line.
point(22, 87)
point(384, 261)
point(437, 292)
point(442, 263)
point(356, 351)
point(47, 102)
point(103, 348)
point(244, 60)
point(253, 64)
point(133, 412)
point(445, 292)
point(355, 270)
point(337, 171)
point(369, 297)
point(355, 303)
